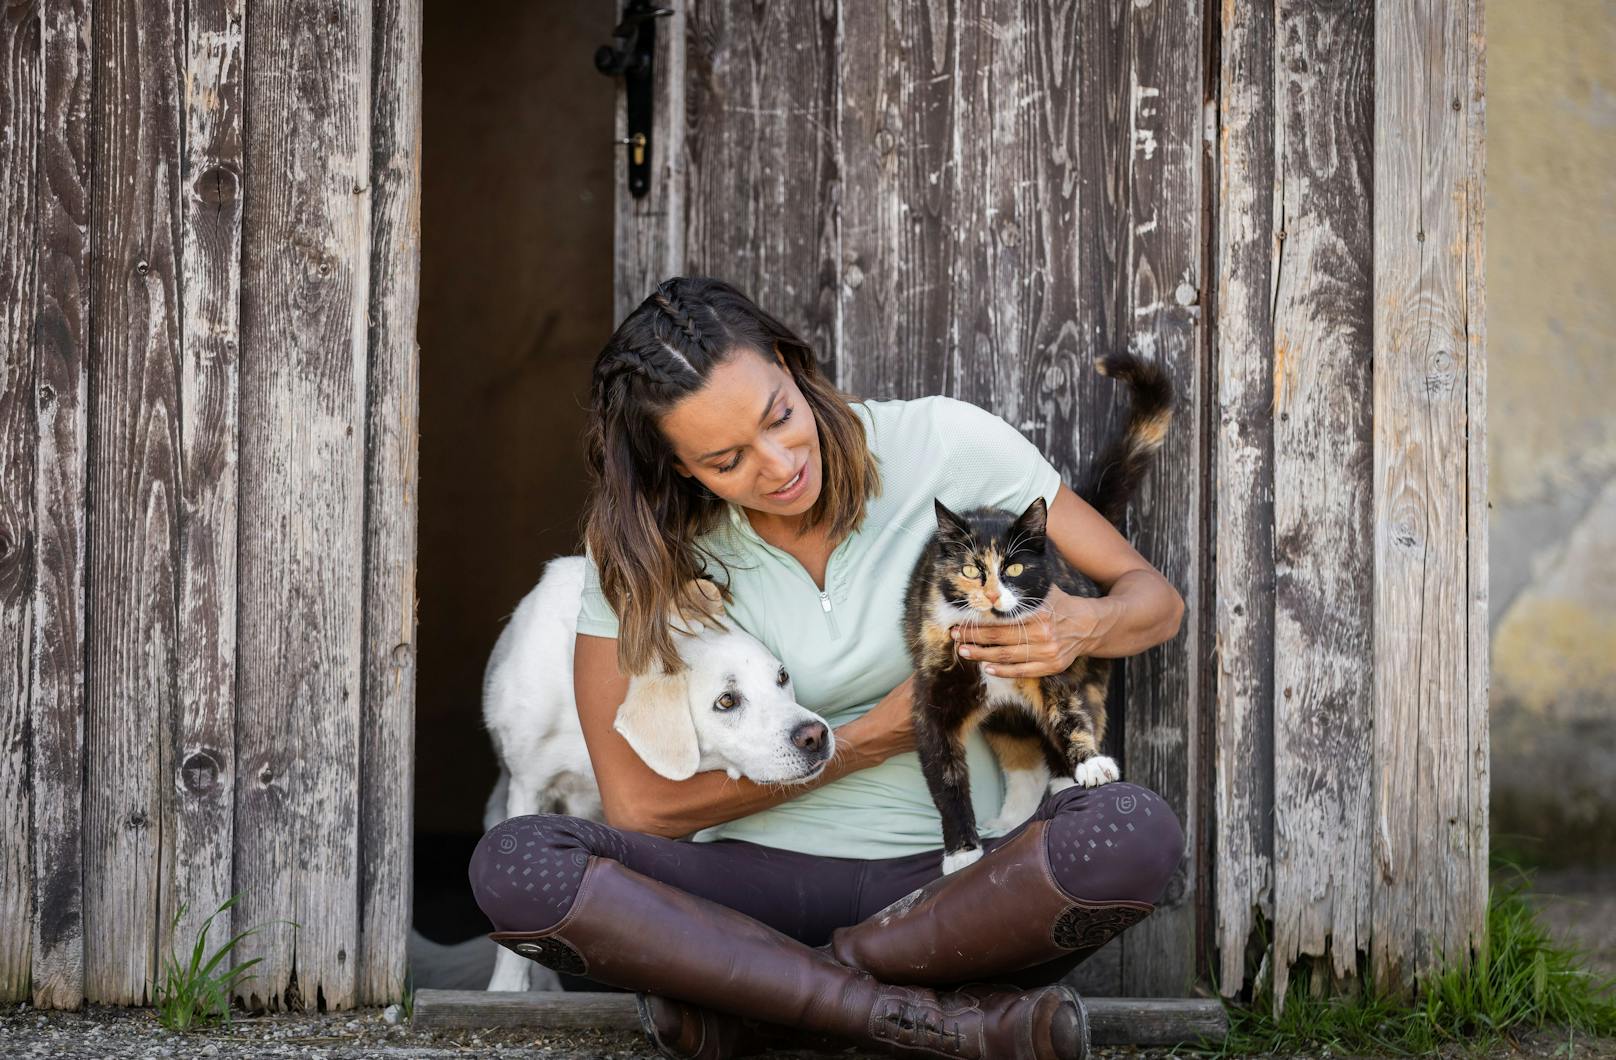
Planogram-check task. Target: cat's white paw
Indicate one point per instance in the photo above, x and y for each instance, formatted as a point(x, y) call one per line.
point(1096, 771)
point(959, 859)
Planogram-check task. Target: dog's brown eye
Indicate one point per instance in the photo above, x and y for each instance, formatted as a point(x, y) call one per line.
point(725, 701)
point(783, 677)
point(971, 571)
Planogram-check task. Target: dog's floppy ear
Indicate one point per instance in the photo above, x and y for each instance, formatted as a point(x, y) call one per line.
point(655, 720)
point(706, 595)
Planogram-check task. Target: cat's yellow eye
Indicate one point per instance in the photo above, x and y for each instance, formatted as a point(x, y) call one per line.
point(725, 701)
point(1013, 570)
point(971, 571)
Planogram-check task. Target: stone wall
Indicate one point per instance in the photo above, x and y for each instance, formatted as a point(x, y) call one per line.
point(1551, 329)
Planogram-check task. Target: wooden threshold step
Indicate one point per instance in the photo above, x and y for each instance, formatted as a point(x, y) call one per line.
point(1112, 1020)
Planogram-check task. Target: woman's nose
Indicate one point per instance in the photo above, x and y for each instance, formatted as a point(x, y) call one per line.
point(780, 465)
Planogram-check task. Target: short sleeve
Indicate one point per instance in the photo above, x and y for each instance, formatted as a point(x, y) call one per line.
point(990, 459)
point(595, 616)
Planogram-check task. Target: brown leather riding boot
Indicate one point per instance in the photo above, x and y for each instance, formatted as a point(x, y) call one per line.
point(629, 930)
point(1000, 914)
point(989, 920)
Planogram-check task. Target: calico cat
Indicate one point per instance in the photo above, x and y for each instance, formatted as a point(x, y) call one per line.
point(989, 566)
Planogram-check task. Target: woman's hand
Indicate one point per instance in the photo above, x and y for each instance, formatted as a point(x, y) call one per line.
point(884, 730)
point(1043, 642)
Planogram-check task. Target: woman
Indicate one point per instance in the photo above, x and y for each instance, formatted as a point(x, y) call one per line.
point(717, 448)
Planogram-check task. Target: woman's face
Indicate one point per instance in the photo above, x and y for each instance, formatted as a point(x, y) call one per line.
point(747, 433)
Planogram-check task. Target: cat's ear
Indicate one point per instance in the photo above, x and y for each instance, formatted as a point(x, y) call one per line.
point(1035, 520)
point(655, 720)
point(950, 525)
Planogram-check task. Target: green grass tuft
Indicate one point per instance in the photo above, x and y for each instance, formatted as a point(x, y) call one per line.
point(197, 993)
point(1523, 981)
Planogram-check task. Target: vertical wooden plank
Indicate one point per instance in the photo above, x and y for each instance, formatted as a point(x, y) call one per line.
point(305, 281)
point(197, 839)
point(1479, 751)
point(387, 748)
point(897, 75)
point(1430, 793)
point(1244, 786)
point(650, 231)
point(1322, 478)
point(21, 109)
point(1164, 276)
point(1103, 150)
point(62, 331)
point(763, 170)
point(134, 490)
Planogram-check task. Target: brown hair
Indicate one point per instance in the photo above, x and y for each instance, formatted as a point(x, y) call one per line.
point(642, 518)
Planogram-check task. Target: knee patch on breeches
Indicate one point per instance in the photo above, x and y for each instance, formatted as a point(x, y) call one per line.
point(1115, 842)
point(525, 871)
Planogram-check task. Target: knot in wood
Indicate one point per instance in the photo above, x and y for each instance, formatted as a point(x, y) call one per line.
point(200, 772)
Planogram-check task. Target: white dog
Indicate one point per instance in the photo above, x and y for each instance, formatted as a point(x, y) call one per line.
point(732, 708)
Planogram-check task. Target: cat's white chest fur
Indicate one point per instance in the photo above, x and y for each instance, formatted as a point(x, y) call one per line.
point(998, 689)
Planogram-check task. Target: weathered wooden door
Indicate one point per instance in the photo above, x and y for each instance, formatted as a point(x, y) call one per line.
point(970, 198)
point(207, 487)
point(1282, 203)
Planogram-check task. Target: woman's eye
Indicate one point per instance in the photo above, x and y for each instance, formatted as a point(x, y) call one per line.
point(725, 701)
point(1013, 570)
point(783, 676)
point(971, 571)
point(732, 464)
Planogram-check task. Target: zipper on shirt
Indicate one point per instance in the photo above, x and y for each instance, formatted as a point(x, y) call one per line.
point(824, 605)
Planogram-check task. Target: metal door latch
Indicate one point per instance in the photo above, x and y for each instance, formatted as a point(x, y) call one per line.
point(632, 57)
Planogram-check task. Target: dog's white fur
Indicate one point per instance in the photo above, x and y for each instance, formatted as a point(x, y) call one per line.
point(674, 723)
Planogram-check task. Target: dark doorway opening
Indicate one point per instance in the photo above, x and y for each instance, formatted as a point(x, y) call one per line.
point(516, 297)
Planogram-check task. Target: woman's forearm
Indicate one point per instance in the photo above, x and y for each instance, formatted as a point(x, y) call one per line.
point(1141, 611)
point(711, 797)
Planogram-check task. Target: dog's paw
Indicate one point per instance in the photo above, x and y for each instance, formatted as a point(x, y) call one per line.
point(1096, 771)
point(959, 859)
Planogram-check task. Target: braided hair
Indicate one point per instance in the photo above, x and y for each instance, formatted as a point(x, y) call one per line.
point(642, 520)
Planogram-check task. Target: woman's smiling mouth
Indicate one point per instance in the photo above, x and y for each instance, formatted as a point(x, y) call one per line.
point(796, 481)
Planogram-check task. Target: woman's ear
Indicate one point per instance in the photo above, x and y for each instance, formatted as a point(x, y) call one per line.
point(655, 720)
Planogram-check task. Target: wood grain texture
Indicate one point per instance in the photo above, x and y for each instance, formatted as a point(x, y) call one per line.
point(135, 500)
point(1478, 739)
point(1430, 793)
point(650, 231)
point(1245, 244)
point(1112, 1021)
point(22, 94)
point(762, 170)
point(62, 334)
point(387, 744)
point(303, 387)
point(1323, 473)
point(1163, 277)
point(201, 775)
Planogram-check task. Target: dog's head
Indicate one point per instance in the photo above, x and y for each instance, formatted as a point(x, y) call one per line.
point(731, 708)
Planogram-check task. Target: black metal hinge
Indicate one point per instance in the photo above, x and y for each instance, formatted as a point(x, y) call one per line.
point(632, 57)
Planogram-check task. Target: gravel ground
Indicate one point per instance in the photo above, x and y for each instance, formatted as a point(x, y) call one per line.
point(134, 1034)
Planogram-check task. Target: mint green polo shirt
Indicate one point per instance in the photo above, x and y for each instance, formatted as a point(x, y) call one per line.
point(844, 645)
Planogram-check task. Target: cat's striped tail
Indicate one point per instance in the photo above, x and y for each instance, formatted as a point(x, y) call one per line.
point(1115, 475)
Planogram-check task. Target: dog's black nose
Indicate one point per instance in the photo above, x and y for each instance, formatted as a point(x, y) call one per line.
point(809, 736)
